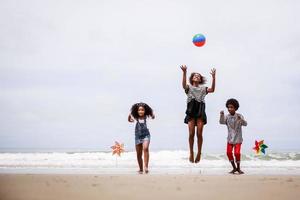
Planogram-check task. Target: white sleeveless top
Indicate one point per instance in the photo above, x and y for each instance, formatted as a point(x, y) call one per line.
point(197, 93)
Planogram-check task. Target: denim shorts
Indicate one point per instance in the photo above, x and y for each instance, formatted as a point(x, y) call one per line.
point(141, 140)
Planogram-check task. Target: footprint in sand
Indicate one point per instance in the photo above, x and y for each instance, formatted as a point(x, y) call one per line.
point(273, 179)
point(58, 180)
point(289, 180)
point(178, 188)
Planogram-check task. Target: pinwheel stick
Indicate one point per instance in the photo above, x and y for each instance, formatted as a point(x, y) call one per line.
point(117, 149)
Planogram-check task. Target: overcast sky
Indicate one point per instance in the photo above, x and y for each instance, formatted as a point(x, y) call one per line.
point(70, 70)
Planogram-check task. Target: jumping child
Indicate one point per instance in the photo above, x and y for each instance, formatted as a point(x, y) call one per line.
point(195, 112)
point(140, 112)
point(234, 122)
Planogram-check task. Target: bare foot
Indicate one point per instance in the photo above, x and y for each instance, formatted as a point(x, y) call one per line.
point(192, 157)
point(140, 171)
point(240, 171)
point(232, 171)
point(146, 170)
point(198, 157)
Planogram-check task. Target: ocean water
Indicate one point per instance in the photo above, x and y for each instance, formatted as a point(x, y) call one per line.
point(161, 162)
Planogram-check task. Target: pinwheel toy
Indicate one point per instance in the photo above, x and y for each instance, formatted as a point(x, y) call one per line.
point(260, 147)
point(117, 149)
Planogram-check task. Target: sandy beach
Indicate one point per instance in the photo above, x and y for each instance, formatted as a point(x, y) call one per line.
point(79, 187)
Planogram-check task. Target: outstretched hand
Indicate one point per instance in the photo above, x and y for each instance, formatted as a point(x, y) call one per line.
point(183, 67)
point(213, 72)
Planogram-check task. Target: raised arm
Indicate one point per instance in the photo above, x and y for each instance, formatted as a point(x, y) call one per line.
point(222, 118)
point(184, 68)
point(213, 84)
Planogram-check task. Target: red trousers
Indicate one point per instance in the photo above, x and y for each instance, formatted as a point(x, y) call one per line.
point(237, 152)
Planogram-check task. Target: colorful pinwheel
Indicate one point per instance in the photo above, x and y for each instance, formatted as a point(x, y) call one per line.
point(117, 148)
point(260, 147)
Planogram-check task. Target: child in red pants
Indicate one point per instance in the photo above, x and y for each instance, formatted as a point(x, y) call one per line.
point(234, 122)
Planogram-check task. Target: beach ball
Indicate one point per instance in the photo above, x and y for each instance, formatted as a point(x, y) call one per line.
point(199, 40)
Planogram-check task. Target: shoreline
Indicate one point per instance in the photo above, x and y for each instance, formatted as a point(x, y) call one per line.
point(194, 170)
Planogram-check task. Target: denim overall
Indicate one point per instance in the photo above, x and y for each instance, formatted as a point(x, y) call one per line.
point(141, 132)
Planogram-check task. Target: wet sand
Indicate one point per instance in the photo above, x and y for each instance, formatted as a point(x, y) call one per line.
point(131, 187)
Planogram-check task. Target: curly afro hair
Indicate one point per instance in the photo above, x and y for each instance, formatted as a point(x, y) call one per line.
point(233, 102)
point(203, 79)
point(135, 108)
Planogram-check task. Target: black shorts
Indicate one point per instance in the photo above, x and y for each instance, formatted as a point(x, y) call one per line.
point(195, 110)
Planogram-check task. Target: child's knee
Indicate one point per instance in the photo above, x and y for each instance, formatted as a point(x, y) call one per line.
point(229, 156)
point(199, 135)
point(146, 150)
point(191, 136)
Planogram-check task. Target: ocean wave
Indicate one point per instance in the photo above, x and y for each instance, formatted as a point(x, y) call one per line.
point(158, 159)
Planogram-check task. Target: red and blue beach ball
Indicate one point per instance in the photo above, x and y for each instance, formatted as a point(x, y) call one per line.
point(199, 40)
